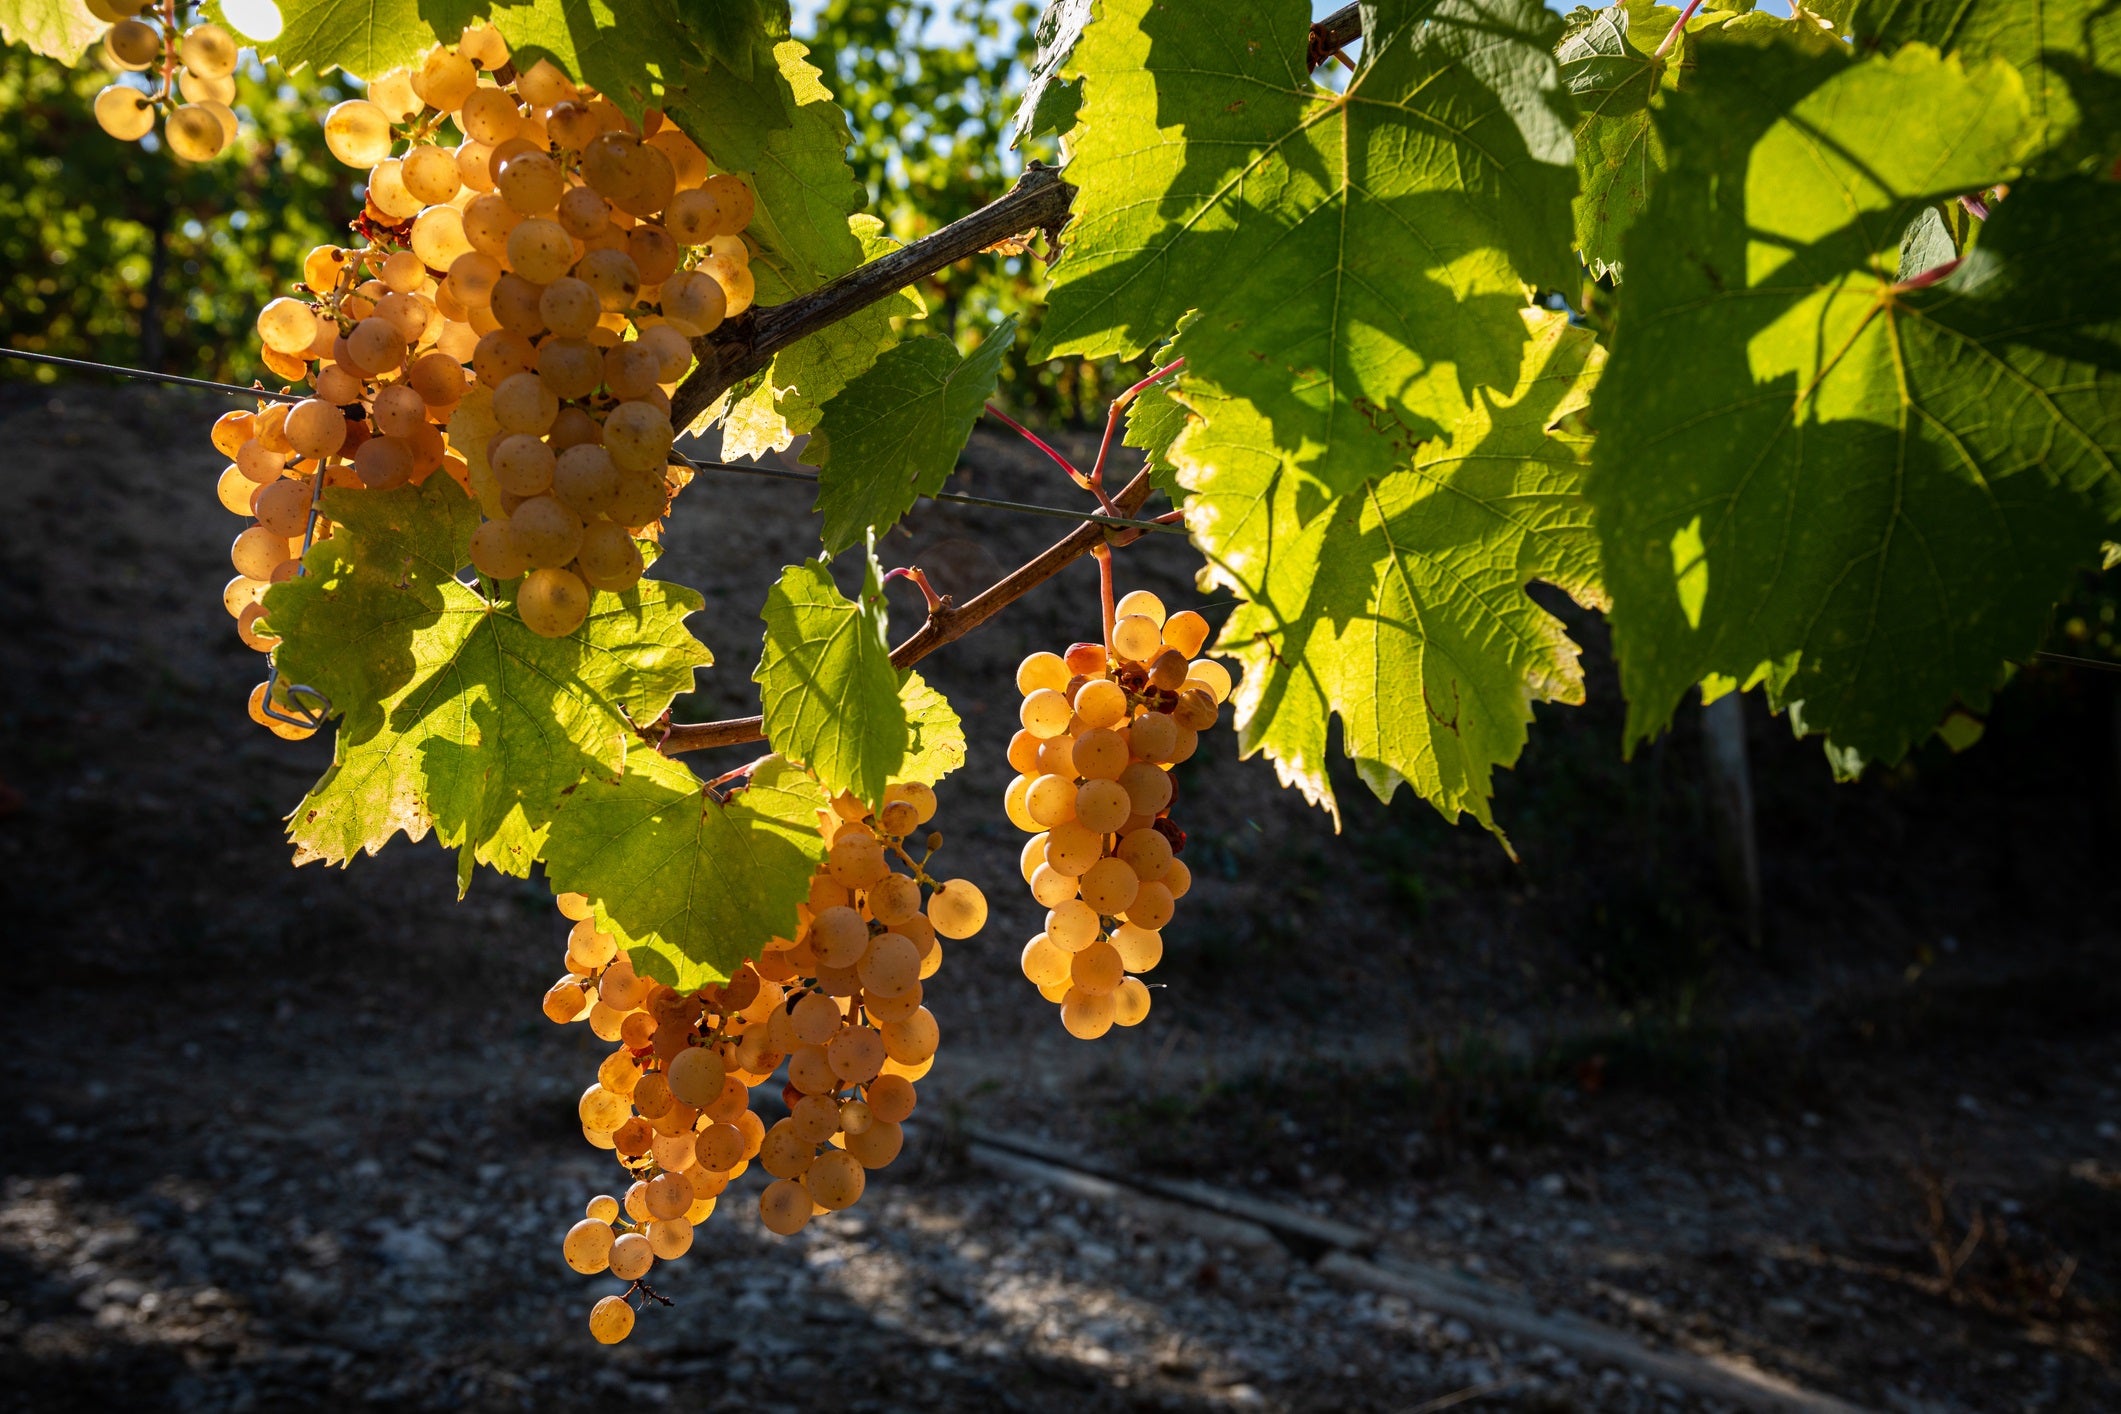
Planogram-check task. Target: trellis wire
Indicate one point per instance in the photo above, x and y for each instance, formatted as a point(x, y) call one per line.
point(733, 468)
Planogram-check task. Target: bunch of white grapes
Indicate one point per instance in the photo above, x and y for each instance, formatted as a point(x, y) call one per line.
point(840, 1003)
point(518, 310)
point(1101, 732)
point(191, 78)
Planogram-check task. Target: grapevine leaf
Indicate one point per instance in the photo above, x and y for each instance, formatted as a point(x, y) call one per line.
point(1153, 424)
point(1358, 260)
point(935, 744)
point(1400, 605)
point(826, 685)
point(894, 433)
point(691, 887)
point(455, 716)
point(57, 29)
point(1050, 101)
point(808, 233)
point(1862, 495)
point(2067, 51)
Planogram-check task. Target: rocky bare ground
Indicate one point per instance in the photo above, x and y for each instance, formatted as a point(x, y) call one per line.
point(277, 1138)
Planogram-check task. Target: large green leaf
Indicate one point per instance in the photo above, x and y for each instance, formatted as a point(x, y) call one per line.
point(57, 29)
point(826, 685)
point(2067, 51)
point(1358, 260)
point(808, 232)
point(1400, 605)
point(689, 885)
point(1865, 496)
point(455, 716)
point(893, 434)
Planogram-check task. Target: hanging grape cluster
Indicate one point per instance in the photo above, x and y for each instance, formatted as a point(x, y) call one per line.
point(516, 314)
point(1101, 732)
point(840, 1003)
point(191, 83)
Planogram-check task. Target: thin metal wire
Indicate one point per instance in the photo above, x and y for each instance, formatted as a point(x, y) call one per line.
point(772, 473)
point(150, 376)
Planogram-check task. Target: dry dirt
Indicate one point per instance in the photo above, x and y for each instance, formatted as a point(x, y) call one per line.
point(279, 1138)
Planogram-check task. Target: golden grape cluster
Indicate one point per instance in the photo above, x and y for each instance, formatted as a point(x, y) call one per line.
point(840, 1002)
point(517, 313)
point(193, 82)
point(1101, 732)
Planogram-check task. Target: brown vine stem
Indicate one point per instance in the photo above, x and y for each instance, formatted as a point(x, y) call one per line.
point(746, 344)
point(946, 623)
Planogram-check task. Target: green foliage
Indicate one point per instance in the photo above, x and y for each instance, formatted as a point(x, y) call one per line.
point(1864, 496)
point(935, 738)
point(688, 884)
point(808, 233)
point(1153, 424)
point(894, 433)
point(826, 685)
point(1358, 261)
point(2066, 51)
point(119, 252)
point(454, 716)
point(1051, 102)
point(1400, 605)
point(57, 29)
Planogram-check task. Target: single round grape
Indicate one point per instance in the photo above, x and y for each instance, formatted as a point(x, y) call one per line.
point(316, 428)
point(564, 1001)
point(1072, 926)
point(540, 250)
point(1096, 970)
point(695, 1076)
point(282, 507)
point(630, 371)
point(490, 115)
point(392, 92)
point(1148, 788)
point(670, 1238)
point(287, 326)
point(438, 236)
point(784, 1152)
point(1102, 806)
point(430, 173)
point(235, 491)
point(857, 1053)
point(209, 50)
point(500, 356)
point(785, 1207)
point(836, 1181)
point(1042, 670)
point(125, 113)
point(1142, 602)
point(669, 1195)
point(1137, 638)
point(856, 859)
point(257, 552)
point(358, 134)
point(495, 553)
point(1052, 888)
point(876, 1146)
point(445, 79)
point(1101, 703)
point(1072, 848)
point(485, 47)
point(1050, 801)
point(642, 499)
point(913, 1039)
point(552, 602)
point(638, 436)
point(1046, 713)
point(890, 1098)
point(1043, 964)
point(133, 44)
point(259, 463)
point(1100, 754)
point(572, 368)
point(602, 1109)
point(588, 1246)
point(1152, 906)
point(550, 534)
point(521, 462)
point(522, 403)
point(375, 346)
point(734, 204)
point(1167, 671)
point(838, 936)
point(694, 303)
point(583, 213)
point(1086, 1016)
point(1178, 878)
point(569, 307)
point(611, 1320)
point(531, 182)
point(736, 280)
point(1196, 712)
point(653, 251)
point(1109, 886)
point(436, 379)
point(586, 482)
point(693, 217)
point(631, 1257)
point(1130, 1004)
point(488, 223)
point(671, 347)
point(810, 1070)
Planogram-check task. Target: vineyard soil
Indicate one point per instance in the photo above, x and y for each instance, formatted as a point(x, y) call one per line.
point(280, 1138)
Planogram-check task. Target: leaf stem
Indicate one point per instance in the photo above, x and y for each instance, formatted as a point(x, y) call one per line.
point(1671, 36)
point(1105, 592)
point(1119, 405)
point(920, 577)
point(945, 624)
